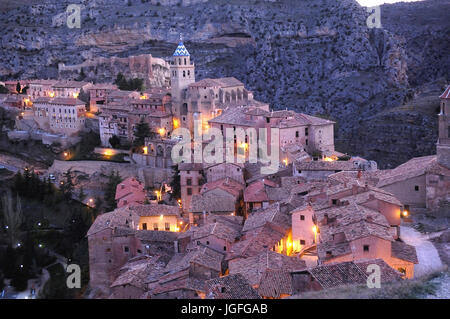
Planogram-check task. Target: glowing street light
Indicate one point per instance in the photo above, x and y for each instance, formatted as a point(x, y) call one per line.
point(405, 213)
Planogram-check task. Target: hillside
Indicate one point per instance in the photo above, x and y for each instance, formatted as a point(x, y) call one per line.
point(315, 56)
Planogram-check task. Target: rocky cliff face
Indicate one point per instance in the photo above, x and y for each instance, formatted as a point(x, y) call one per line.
point(315, 56)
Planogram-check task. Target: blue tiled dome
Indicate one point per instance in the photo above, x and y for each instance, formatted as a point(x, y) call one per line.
point(181, 50)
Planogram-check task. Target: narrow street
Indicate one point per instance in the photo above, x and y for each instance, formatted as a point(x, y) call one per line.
point(429, 260)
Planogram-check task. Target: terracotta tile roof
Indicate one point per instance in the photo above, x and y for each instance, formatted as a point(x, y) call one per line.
point(326, 166)
point(65, 101)
point(151, 236)
point(388, 274)
point(271, 214)
point(229, 82)
point(368, 177)
point(348, 222)
point(414, 167)
point(275, 283)
point(351, 273)
point(329, 250)
point(155, 210)
point(130, 191)
point(253, 268)
point(404, 252)
point(203, 256)
point(237, 116)
point(135, 272)
point(219, 230)
point(206, 83)
point(446, 94)
point(121, 217)
point(227, 184)
point(217, 200)
point(230, 287)
point(182, 282)
point(355, 222)
point(257, 191)
point(256, 241)
point(372, 194)
point(333, 275)
point(70, 84)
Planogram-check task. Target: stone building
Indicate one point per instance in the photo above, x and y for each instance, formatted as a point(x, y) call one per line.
point(41, 88)
point(98, 93)
point(60, 115)
point(191, 180)
point(130, 191)
point(69, 89)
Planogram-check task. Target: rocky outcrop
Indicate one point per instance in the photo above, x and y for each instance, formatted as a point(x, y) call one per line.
point(154, 71)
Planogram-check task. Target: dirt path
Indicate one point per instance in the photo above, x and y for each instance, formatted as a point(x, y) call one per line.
point(429, 260)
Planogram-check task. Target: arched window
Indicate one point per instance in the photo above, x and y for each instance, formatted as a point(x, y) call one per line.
point(184, 74)
point(185, 61)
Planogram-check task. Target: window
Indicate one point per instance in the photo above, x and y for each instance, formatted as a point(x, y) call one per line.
point(297, 134)
point(306, 141)
point(126, 249)
point(302, 217)
point(306, 133)
point(366, 248)
point(302, 242)
point(167, 226)
point(108, 250)
point(144, 226)
point(189, 191)
point(207, 242)
point(155, 226)
point(224, 248)
point(189, 181)
point(416, 188)
point(334, 201)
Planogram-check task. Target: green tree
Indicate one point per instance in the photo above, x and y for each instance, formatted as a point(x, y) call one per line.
point(114, 141)
point(3, 90)
point(175, 183)
point(12, 216)
point(114, 179)
point(141, 131)
point(82, 195)
point(67, 186)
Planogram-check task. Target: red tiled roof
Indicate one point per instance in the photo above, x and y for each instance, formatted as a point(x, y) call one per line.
point(227, 184)
point(256, 192)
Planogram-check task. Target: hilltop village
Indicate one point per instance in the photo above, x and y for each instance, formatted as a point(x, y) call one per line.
point(227, 229)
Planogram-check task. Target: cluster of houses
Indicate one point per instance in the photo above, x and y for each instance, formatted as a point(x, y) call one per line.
point(236, 231)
